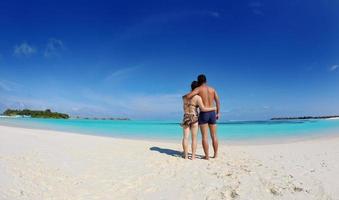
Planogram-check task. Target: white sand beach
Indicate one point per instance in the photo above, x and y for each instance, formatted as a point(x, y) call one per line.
point(41, 164)
point(334, 118)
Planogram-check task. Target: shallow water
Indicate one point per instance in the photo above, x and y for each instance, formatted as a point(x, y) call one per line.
point(170, 130)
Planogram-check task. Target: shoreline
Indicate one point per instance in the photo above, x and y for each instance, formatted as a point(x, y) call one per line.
point(42, 164)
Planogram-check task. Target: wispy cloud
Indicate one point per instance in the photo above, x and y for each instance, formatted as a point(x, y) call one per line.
point(256, 8)
point(4, 86)
point(122, 73)
point(334, 67)
point(24, 49)
point(98, 104)
point(133, 105)
point(156, 103)
point(22, 101)
point(8, 86)
point(136, 105)
point(214, 14)
point(54, 48)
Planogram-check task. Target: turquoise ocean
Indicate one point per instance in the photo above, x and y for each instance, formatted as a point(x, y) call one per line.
point(171, 130)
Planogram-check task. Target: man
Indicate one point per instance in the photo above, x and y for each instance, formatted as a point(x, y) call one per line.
point(207, 120)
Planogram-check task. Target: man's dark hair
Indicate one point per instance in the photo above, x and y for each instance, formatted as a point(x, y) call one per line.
point(201, 79)
point(194, 85)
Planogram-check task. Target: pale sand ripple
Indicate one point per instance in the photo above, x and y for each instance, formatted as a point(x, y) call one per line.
point(39, 164)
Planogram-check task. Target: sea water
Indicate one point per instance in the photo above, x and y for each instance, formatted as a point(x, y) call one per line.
point(171, 130)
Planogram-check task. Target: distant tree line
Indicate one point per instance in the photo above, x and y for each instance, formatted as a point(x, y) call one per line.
point(305, 117)
point(36, 113)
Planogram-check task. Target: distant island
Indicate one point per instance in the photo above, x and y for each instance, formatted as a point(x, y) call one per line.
point(36, 113)
point(54, 115)
point(305, 117)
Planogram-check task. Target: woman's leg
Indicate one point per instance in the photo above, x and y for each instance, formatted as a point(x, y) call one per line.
point(194, 130)
point(185, 141)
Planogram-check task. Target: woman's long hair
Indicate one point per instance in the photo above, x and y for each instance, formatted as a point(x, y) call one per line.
point(194, 85)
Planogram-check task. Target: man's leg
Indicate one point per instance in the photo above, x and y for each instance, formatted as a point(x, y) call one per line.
point(204, 135)
point(213, 132)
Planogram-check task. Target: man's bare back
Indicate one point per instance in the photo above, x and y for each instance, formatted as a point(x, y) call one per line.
point(207, 95)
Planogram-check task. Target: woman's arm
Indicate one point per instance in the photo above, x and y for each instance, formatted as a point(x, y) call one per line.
point(202, 107)
point(183, 103)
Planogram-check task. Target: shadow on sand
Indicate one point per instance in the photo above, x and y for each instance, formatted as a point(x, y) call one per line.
point(171, 152)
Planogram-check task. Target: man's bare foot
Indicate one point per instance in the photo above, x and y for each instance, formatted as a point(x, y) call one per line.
point(193, 157)
point(215, 156)
point(206, 157)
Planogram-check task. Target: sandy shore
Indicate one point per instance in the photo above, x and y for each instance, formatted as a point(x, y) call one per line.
point(40, 164)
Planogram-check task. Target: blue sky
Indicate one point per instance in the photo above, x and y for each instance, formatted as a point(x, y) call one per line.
point(136, 58)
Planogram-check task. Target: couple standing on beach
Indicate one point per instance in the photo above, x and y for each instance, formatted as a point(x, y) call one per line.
point(205, 98)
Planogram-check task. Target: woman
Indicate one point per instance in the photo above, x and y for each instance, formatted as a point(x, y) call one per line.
point(190, 121)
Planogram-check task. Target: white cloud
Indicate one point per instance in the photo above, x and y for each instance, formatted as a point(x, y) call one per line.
point(24, 49)
point(334, 67)
point(54, 48)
